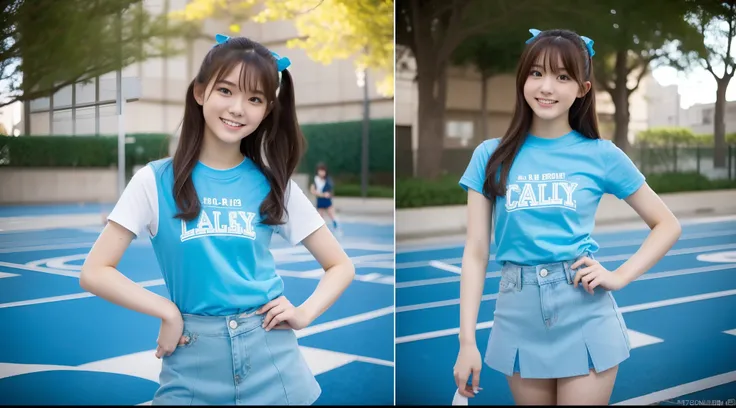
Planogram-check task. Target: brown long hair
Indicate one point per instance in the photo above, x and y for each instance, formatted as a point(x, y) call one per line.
point(551, 45)
point(275, 146)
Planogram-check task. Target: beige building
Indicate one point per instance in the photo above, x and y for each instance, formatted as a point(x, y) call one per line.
point(664, 110)
point(463, 109)
point(324, 93)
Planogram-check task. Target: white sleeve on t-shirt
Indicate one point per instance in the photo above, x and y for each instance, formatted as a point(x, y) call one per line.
point(302, 219)
point(137, 208)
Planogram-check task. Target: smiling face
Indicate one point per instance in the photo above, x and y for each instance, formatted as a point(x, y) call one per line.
point(550, 89)
point(232, 107)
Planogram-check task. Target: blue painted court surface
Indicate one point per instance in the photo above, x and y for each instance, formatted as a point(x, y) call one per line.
point(681, 317)
point(60, 345)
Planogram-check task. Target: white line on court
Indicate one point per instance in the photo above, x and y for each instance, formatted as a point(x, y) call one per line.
point(39, 269)
point(627, 309)
point(76, 245)
point(680, 251)
point(610, 258)
point(59, 262)
point(445, 267)
point(345, 321)
point(317, 274)
point(307, 331)
point(458, 240)
point(73, 296)
point(655, 275)
point(680, 390)
point(646, 276)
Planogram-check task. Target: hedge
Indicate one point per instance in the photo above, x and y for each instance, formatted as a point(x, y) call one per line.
point(79, 151)
point(412, 193)
point(659, 136)
point(337, 144)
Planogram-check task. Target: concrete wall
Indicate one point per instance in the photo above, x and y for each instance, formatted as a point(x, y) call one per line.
point(57, 185)
point(65, 185)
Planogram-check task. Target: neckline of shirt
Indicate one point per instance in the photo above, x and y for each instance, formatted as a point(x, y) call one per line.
point(570, 138)
point(221, 174)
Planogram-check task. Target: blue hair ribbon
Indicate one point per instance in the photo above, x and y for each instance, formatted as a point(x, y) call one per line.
point(281, 62)
point(588, 42)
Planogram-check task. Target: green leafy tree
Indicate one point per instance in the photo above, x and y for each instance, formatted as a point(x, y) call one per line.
point(50, 44)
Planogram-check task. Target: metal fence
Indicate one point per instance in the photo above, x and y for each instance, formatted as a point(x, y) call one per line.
point(683, 159)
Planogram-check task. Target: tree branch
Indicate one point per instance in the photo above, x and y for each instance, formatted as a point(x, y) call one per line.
point(644, 69)
point(727, 60)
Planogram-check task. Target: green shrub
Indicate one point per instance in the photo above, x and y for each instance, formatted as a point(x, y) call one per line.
point(660, 136)
point(337, 144)
point(691, 181)
point(412, 193)
point(354, 190)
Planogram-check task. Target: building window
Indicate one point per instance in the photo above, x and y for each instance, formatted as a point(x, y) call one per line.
point(459, 131)
point(707, 116)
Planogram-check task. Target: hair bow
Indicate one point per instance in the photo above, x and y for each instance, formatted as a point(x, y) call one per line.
point(588, 42)
point(281, 62)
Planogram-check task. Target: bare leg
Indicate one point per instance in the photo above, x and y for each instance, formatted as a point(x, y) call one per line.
point(592, 389)
point(532, 391)
point(331, 212)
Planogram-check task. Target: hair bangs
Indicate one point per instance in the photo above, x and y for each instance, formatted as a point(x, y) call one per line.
point(555, 54)
point(256, 73)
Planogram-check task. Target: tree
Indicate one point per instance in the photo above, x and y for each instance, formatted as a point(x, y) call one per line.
point(328, 29)
point(48, 44)
point(433, 30)
point(716, 22)
point(629, 36)
point(491, 55)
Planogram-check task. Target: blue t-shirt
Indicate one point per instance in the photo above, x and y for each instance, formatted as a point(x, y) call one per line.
point(552, 195)
point(218, 263)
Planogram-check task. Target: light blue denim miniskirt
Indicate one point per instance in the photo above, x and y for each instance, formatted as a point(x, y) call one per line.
point(232, 360)
point(543, 327)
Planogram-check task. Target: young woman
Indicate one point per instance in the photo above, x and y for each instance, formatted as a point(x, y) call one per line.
point(323, 188)
point(557, 333)
point(227, 334)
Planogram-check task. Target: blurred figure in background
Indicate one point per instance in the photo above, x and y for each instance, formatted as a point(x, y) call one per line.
point(323, 189)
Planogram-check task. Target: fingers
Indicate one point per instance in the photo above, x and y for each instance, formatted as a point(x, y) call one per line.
point(183, 340)
point(272, 313)
point(583, 261)
point(595, 282)
point(268, 306)
point(461, 380)
point(476, 381)
point(163, 351)
point(580, 274)
point(278, 319)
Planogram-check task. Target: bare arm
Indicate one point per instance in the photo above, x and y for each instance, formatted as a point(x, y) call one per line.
point(339, 272)
point(313, 190)
point(474, 264)
point(665, 231)
point(100, 276)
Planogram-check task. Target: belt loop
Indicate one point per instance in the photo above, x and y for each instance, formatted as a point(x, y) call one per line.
point(566, 267)
point(519, 277)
